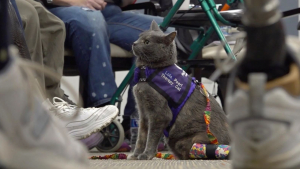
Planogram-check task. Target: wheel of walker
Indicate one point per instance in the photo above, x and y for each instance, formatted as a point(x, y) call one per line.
point(113, 137)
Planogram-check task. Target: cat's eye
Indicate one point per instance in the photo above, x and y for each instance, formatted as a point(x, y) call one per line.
point(146, 42)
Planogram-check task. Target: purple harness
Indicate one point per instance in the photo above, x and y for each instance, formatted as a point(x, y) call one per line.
point(172, 82)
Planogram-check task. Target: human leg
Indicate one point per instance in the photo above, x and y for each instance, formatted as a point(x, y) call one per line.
point(29, 135)
point(52, 34)
point(104, 115)
point(127, 23)
point(87, 36)
point(32, 35)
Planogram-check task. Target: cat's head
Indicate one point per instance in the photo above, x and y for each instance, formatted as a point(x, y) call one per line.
point(154, 48)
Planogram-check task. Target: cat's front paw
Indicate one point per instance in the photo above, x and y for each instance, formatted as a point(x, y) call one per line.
point(145, 157)
point(132, 157)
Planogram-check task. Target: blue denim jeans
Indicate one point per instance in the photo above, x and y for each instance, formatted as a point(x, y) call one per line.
point(89, 33)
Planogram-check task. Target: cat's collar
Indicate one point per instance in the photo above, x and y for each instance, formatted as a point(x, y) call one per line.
point(142, 67)
point(142, 74)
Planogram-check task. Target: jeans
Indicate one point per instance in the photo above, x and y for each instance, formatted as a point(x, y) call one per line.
point(89, 33)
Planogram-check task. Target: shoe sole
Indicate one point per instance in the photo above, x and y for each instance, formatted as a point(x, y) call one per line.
point(93, 140)
point(12, 156)
point(97, 126)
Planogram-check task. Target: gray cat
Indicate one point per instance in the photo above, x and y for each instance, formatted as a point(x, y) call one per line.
point(155, 50)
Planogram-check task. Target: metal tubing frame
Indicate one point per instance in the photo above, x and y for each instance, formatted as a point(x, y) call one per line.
point(125, 82)
point(208, 6)
point(210, 9)
point(164, 25)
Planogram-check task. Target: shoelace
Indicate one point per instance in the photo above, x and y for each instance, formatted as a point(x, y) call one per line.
point(60, 104)
point(226, 66)
point(29, 68)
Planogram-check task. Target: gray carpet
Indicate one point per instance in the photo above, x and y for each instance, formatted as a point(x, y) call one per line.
point(158, 164)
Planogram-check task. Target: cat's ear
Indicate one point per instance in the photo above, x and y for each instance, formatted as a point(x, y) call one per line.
point(168, 39)
point(154, 26)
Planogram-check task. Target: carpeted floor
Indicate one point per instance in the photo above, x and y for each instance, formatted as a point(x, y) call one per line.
point(158, 164)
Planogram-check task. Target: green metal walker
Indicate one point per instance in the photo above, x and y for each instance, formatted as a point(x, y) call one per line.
point(209, 7)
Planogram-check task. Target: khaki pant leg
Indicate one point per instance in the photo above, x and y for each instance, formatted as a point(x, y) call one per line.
point(31, 27)
point(53, 36)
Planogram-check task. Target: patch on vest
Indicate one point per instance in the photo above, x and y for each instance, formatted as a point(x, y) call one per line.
point(172, 82)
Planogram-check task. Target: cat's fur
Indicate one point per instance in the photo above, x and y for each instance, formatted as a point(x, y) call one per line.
point(155, 49)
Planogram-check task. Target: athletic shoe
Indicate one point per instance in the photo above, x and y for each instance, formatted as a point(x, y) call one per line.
point(264, 118)
point(88, 120)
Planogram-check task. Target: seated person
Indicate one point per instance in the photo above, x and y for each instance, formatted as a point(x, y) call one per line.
point(30, 137)
point(91, 26)
point(45, 35)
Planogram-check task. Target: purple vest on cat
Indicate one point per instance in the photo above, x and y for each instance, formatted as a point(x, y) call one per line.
point(171, 82)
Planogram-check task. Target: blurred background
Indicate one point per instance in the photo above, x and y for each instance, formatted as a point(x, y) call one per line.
point(290, 25)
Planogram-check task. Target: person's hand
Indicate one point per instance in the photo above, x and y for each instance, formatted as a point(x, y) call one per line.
point(96, 4)
point(92, 4)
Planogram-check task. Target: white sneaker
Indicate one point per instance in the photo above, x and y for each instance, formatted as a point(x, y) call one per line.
point(265, 120)
point(88, 120)
point(30, 138)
